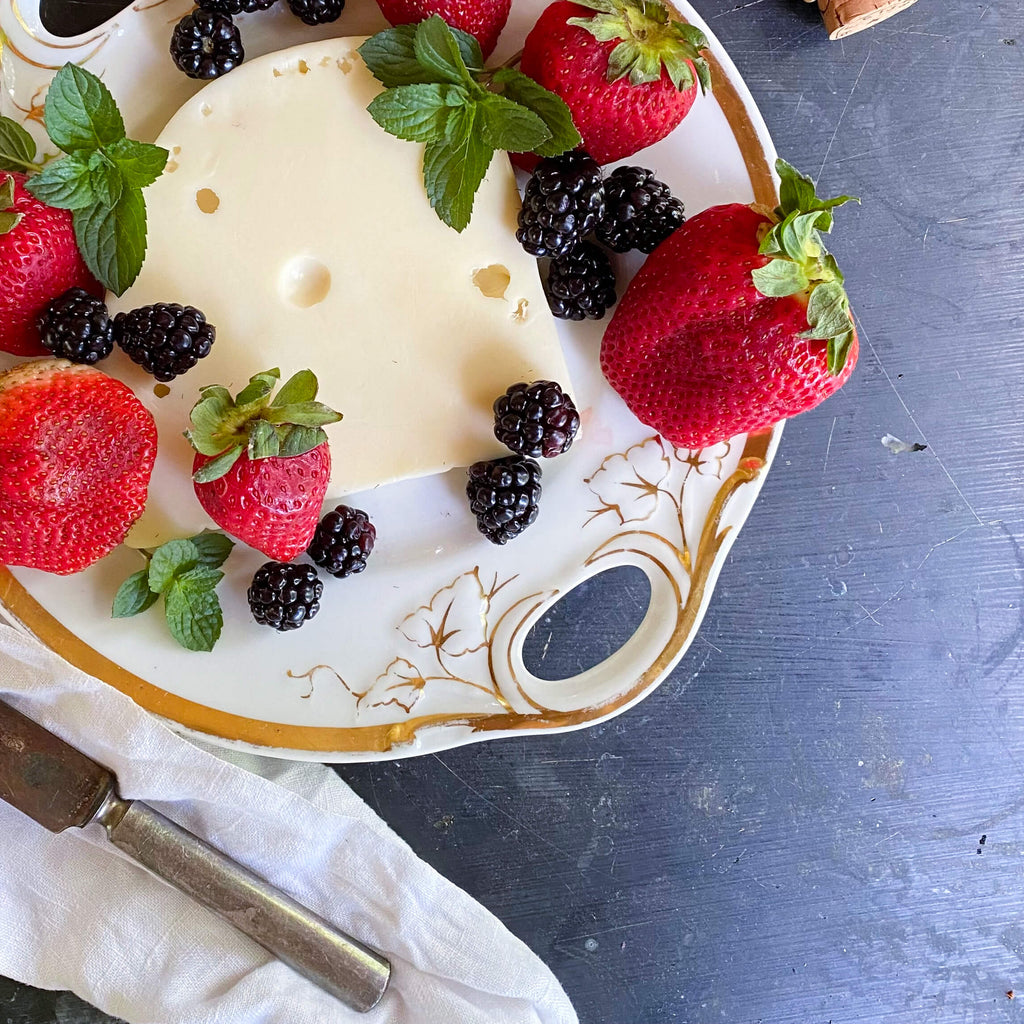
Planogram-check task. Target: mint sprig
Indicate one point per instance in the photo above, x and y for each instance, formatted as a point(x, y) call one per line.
point(438, 92)
point(101, 177)
point(186, 573)
point(799, 262)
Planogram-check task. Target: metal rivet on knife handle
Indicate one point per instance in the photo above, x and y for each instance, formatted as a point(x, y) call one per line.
point(60, 787)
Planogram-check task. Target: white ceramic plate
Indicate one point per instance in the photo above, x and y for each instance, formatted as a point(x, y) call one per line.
point(422, 651)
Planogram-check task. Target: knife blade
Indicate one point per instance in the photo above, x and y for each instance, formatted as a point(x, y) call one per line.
point(58, 786)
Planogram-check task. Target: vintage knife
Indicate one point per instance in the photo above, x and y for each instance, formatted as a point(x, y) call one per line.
point(60, 787)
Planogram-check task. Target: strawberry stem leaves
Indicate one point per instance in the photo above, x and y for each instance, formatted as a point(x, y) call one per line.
point(649, 40)
point(800, 263)
point(223, 428)
point(101, 178)
point(438, 92)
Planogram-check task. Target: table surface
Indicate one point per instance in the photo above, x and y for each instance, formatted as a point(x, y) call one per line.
point(819, 816)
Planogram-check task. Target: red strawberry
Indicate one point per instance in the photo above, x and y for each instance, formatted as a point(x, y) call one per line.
point(76, 453)
point(271, 504)
point(735, 321)
point(481, 18)
point(39, 260)
point(262, 466)
point(628, 73)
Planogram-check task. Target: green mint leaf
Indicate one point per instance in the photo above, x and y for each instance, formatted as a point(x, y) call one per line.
point(299, 387)
point(551, 109)
point(218, 467)
point(416, 113)
point(80, 113)
point(65, 184)
point(193, 610)
point(780, 277)
point(213, 548)
point(17, 147)
point(469, 48)
point(133, 596)
point(112, 240)
point(504, 124)
point(299, 440)
point(140, 163)
point(437, 50)
point(105, 178)
point(391, 57)
point(453, 169)
point(263, 441)
point(169, 561)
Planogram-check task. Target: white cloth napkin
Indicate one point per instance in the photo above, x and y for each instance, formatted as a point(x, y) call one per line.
point(76, 914)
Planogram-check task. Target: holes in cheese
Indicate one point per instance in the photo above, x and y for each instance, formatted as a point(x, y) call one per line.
point(493, 281)
point(304, 282)
point(207, 200)
point(324, 253)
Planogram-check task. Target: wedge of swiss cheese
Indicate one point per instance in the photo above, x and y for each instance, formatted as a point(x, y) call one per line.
point(304, 233)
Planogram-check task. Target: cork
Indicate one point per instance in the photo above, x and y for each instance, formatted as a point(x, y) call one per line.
point(844, 17)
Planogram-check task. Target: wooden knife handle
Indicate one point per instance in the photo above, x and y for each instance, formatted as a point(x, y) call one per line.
point(46, 778)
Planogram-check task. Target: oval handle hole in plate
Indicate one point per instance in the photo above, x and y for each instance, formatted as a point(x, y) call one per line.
point(591, 623)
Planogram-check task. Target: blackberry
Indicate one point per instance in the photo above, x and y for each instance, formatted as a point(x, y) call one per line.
point(284, 595)
point(343, 541)
point(165, 339)
point(77, 326)
point(564, 202)
point(206, 44)
point(503, 495)
point(640, 211)
point(581, 284)
point(538, 419)
point(317, 12)
point(236, 7)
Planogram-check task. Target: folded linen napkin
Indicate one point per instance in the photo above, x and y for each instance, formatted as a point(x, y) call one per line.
point(76, 914)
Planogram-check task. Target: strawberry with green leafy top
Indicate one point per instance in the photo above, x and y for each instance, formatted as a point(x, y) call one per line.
point(262, 464)
point(736, 321)
point(627, 70)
